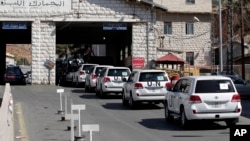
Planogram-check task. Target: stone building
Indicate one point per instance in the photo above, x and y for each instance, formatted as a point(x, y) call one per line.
point(129, 28)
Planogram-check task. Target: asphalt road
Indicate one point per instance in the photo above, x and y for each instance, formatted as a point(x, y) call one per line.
point(37, 119)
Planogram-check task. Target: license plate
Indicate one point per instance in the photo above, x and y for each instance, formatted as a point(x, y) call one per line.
point(217, 104)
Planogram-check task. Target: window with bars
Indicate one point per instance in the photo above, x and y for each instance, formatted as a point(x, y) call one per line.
point(190, 1)
point(190, 57)
point(168, 28)
point(189, 28)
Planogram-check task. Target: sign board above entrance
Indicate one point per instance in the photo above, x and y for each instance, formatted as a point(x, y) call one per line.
point(14, 25)
point(114, 26)
point(36, 4)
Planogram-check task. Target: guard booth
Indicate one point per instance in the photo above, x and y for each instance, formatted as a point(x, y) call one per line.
point(172, 64)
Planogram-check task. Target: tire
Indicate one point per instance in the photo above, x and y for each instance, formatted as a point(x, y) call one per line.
point(168, 116)
point(89, 88)
point(231, 122)
point(102, 94)
point(86, 88)
point(131, 102)
point(183, 120)
point(97, 92)
point(124, 100)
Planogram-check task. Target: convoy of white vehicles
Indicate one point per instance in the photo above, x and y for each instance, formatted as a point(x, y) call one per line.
point(190, 98)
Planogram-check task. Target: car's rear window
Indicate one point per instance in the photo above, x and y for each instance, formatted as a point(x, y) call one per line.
point(98, 70)
point(87, 67)
point(214, 86)
point(118, 72)
point(153, 76)
point(13, 71)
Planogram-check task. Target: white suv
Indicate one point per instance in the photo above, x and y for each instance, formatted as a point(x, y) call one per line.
point(93, 73)
point(111, 80)
point(80, 74)
point(203, 98)
point(145, 86)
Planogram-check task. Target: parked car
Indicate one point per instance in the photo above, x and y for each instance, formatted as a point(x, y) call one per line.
point(110, 80)
point(67, 75)
point(28, 77)
point(92, 74)
point(14, 75)
point(203, 98)
point(80, 75)
point(242, 86)
point(145, 86)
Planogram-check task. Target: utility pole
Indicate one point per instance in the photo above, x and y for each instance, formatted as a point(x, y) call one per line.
point(230, 38)
point(242, 42)
point(220, 32)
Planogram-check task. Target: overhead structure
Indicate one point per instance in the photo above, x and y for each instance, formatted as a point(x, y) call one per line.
point(151, 4)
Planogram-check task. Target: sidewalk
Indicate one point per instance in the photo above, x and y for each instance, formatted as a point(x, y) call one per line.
point(36, 117)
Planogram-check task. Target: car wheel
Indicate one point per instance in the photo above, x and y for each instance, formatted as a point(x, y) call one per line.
point(89, 87)
point(168, 116)
point(77, 83)
point(102, 94)
point(124, 100)
point(132, 103)
point(231, 122)
point(72, 82)
point(86, 88)
point(184, 120)
point(97, 92)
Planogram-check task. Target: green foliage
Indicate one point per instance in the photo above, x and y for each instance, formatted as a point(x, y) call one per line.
point(61, 49)
point(22, 61)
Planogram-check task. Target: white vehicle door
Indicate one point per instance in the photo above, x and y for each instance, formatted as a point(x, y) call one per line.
point(128, 86)
point(99, 79)
point(175, 97)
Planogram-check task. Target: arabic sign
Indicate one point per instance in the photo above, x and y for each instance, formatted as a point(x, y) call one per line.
point(138, 63)
point(36, 4)
point(14, 25)
point(114, 26)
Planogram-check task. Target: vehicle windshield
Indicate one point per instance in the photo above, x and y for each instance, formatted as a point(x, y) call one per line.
point(153, 76)
point(214, 86)
point(118, 72)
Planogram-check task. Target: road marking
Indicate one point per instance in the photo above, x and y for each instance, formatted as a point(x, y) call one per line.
point(22, 129)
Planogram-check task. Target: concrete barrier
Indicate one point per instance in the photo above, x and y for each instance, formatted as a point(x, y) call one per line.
point(6, 116)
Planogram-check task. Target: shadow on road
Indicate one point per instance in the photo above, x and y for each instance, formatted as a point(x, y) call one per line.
point(161, 124)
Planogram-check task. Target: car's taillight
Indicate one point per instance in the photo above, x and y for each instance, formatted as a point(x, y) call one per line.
point(194, 99)
point(168, 85)
point(138, 86)
point(236, 98)
point(93, 76)
point(82, 72)
point(106, 79)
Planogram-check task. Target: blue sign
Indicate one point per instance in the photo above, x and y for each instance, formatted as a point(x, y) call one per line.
point(14, 25)
point(114, 26)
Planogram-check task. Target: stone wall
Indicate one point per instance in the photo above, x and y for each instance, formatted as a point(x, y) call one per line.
point(144, 38)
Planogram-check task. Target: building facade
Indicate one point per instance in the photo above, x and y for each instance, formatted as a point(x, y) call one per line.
point(158, 26)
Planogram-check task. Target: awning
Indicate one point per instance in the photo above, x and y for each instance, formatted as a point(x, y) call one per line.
point(170, 58)
point(152, 4)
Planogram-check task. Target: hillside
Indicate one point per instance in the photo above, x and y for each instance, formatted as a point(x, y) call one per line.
point(20, 51)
